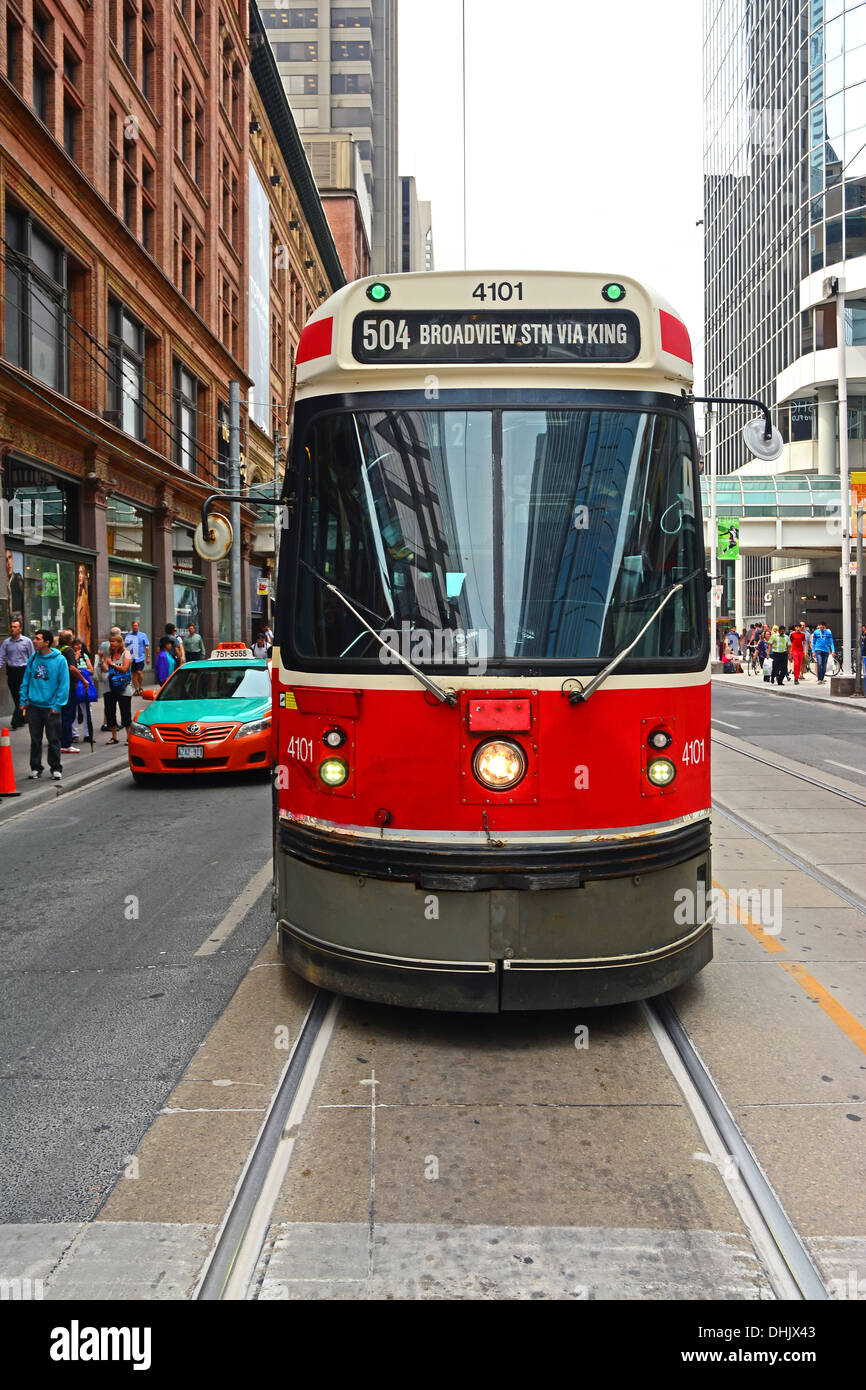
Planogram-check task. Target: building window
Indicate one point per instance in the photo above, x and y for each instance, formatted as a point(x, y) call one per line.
point(71, 116)
point(36, 300)
point(27, 485)
point(128, 37)
point(350, 82)
point(186, 389)
point(126, 379)
point(296, 52)
point(223, 439)
point(71, 66)
point(41, 80)
point(14, 48)
point(148, 206)
point(354, 51)
point(42, 25)
point(148, 49)
point(295, 18)
point(128, 533)
point(351, 18)
point(304, 84)
point(350, 116)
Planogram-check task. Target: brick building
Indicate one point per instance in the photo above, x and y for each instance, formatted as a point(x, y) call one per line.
point(127, 279)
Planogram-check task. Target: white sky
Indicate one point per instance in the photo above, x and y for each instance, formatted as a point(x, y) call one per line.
point(584, 136)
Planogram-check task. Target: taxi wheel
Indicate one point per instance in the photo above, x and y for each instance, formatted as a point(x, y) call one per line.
point(140, 777)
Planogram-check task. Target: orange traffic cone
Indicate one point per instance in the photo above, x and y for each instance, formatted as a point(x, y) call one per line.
point(7, 772)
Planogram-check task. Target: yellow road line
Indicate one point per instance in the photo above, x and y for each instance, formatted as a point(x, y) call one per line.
point(849, 1025)
point(769, 943)
point(832, 1008)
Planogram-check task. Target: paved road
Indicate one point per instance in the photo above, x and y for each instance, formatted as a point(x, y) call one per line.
point(103, 999)
point(829, 739)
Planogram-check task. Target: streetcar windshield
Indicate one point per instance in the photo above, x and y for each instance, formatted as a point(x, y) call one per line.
point(468, 536)
point(217, 683)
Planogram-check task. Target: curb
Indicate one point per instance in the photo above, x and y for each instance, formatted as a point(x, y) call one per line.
point(857, 702)
point(13, 806)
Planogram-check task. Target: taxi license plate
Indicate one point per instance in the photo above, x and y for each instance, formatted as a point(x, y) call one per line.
point(190, 750)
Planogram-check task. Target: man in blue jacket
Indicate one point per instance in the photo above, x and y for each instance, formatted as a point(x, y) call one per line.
point(822, 646)
point(44, 692)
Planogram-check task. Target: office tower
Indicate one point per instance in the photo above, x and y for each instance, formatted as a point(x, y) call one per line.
point(339, 67)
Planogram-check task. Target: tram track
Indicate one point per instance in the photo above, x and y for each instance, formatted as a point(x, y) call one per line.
point(231, 1267)
point(789, 772)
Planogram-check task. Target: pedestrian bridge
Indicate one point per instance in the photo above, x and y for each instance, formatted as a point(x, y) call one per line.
point(782, 514)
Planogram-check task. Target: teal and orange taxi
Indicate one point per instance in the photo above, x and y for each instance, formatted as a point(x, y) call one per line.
point(209, 716)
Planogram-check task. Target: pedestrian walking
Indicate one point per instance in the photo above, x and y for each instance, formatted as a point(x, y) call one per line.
point(44, 692)
point(165, 662)
point(863, 656)
point(100, 673)
point(117, 664)
point(85, 691)
point(137, 644)
point(193, 645)
point(69, 713)
point(779, 652)
point(798, 649)
point(175, 644)
point(15, 652)
point(261, 649)
point(822, 646)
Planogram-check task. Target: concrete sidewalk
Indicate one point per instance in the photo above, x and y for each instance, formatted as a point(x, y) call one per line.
point(808, 690)
point(78, 768)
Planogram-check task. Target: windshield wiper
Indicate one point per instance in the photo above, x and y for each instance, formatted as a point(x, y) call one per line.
point(577, 697)
point(445, 697)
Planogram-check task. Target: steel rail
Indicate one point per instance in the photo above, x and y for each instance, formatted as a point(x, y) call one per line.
point(768, 762)
point(214, 1281)
point(792, 1272)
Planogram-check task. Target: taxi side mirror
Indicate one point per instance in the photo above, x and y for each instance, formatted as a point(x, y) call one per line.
point(148, 694)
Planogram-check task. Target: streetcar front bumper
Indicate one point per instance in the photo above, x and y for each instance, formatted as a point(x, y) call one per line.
point(546, 928)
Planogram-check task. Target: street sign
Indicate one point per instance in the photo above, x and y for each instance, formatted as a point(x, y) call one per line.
point(717, 593)
point(768, 596)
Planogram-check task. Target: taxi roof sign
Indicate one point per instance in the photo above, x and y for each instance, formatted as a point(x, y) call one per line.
point(231, 651)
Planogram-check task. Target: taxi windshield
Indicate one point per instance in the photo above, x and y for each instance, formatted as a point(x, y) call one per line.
point(217, 683)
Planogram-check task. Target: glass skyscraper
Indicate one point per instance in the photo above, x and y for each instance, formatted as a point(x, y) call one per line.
point(785, 208)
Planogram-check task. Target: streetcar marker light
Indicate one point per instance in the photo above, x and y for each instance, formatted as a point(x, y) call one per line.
point(378, 292)
point(499, 764)
point(334, 772)
point(613, 293)
point(334, 738)
point(661, 772)
point(660, 738)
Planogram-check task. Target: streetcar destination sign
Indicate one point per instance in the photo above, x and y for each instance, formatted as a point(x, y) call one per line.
point(490, 335)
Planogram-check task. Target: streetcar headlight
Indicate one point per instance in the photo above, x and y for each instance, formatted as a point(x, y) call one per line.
point(334, 772)
point(661, 772)
point(499, 763)
point(257, 726)
point(660, 738)
point(334, 738)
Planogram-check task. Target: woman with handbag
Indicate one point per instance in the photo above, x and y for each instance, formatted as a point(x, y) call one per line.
point(117, 663)
point(86, 691)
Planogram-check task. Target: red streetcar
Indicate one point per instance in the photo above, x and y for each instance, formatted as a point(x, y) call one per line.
point(491, 672)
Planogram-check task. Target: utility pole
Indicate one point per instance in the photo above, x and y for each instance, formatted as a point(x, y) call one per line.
point(844, 478)
point(235, 510)
point(710, 418)
point(278, 473)
point(858, 662)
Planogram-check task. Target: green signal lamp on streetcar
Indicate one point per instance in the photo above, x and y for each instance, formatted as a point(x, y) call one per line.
point(613, 293)
point(378, 292)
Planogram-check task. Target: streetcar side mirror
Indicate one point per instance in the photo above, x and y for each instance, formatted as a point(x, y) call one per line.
point(759, 446)
point(217, 543)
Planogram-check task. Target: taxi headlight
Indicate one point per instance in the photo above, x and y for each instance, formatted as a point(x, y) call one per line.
point(257, 726)
point(334, 772)
point(499, 763)
point(142, 731)
point(661, 772)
